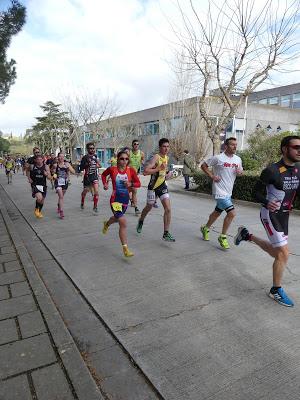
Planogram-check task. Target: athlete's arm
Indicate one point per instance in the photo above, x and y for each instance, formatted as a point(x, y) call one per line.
point(82, 165)
point(142, 157)
point(151, 167)
point(206, 170)
point(28, 174)
point(135, 182)
point(71, 169)
point(104, 176)
point(260, 190)
point(47, 172)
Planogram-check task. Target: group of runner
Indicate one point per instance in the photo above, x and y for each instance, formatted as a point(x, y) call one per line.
point(276, 190)
point(12, 165)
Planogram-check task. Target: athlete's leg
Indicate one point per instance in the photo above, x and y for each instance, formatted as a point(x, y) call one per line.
point(167, 213)
point(95, 195)
point(122, 230)
point(264, 245)
point(145, 211)
point(134, 196)
point(212, 218)
point(83, 194)
point(60, 195)
point(227, 221)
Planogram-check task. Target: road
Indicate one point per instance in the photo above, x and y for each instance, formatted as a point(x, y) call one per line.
point(193, 317)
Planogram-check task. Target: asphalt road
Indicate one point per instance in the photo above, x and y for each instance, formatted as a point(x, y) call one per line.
point(194, 317)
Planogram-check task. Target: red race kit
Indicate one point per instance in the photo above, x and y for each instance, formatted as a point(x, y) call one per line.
point(120, 196)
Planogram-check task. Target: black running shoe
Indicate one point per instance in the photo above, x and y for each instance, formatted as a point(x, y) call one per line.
point(242, 234)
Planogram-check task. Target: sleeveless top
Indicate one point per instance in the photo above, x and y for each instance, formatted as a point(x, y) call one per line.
point(158, 178)
point(62, 175)
point(37, 175)
point(135, 159)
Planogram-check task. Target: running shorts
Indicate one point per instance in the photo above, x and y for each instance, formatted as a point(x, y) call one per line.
point(161, 192)
point(38, 189)
point(90, 180)
point(118, 209)
point(7, 171)
point(224, 204)
point(276, 226)
point(64, 187)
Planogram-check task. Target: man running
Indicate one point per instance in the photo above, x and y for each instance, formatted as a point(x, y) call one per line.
point(123, 178)
point(225, 167)
point(276, 190)
point(50, 161)
point(60, 172)
point(136, 160)
point(9, 165)
point(37, 174)
point(90, 164)
point(157, 168)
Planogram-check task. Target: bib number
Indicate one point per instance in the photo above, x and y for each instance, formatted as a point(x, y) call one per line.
point(61, 182)
point(117, 206)
point(40, 188)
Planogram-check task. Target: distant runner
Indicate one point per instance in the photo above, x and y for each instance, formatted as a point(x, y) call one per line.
point(136, 160)
point(37, 174)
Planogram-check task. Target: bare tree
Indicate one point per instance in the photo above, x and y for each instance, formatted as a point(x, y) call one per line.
point(87, 111)
point(234, 46)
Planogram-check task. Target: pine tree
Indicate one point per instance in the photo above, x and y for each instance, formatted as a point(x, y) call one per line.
point(11, 22)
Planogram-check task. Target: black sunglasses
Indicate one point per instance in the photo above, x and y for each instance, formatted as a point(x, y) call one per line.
point(123, 159)
point(295, 147)
point(135, 144)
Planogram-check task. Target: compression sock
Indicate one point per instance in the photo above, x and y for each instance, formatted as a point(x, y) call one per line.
point(82, 197)
point(96, 198)
point(37, 205)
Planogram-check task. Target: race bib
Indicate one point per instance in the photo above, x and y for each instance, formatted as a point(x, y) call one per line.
point(61, 181)
point(40, 188)
point(117, 206)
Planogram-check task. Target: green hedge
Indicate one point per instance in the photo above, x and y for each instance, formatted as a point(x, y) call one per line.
point(242, 190)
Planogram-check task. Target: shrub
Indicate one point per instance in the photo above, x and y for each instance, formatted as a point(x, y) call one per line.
point(242, 190)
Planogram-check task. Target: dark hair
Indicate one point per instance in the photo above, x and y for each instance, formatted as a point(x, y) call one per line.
point(90, 144)
point(36, 148)
point(60, 153)
point(134, 141)
point(228, 140)
point(124, 149)
point(162, 141)
point(286, 141)
point(120, 153)
point(186, 151)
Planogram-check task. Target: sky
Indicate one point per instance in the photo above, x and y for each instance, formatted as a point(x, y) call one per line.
point(118, 47)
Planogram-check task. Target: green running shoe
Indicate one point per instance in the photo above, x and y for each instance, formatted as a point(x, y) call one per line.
point(139, 226)
point(168, 237)
point(223, 242)
point(205, 232)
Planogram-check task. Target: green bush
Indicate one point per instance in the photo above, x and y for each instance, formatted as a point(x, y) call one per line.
point(250, 163)
point(242, 190)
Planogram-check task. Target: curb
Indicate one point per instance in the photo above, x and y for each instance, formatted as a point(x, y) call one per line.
point(82, 381)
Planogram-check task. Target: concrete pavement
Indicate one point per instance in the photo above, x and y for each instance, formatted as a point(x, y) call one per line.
point(195, 319)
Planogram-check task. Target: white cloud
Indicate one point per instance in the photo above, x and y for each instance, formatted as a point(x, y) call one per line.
point(118, 46)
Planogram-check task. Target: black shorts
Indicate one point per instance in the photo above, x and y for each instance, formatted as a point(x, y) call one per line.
point(276, 225)
point(7, 171)
point(35, 190)
point(64, 187)
point(90, 180)
point(161, 192)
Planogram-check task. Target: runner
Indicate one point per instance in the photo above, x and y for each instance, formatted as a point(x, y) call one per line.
point(50, 161)
point(136, 160)
point(89, 165)
point(37, 174)
point(61, 171)
point(9, 165)
point(276, 190)
point(123, 178)
point(157, 168)
point(113, 160)
point(225, 167)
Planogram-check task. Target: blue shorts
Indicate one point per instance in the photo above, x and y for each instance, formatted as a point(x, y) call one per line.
point(119, 213)
point(224, 204)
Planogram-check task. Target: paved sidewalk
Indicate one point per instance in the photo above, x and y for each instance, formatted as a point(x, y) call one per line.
point(35, 362)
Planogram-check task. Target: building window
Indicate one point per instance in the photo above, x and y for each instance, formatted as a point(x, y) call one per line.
point(263, 101)
point(296, 100)
point(151, 128)
point(274, 101)
point(285, 101)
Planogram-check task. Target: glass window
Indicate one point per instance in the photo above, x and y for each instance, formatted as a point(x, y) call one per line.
point(296, 100)
point(285, 101)
point(273, 101)
point(263, 101)
point(151, 128)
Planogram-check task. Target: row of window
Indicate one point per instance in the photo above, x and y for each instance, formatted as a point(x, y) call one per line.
point(289, 100)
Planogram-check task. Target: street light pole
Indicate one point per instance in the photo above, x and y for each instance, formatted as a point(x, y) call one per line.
point(245, 122)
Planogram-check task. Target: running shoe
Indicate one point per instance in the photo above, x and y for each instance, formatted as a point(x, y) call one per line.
point(36, 212)
point(127, 252)
point(58, 210)
point(82, 206)
point(205, 232)
point(40, 214)
point(105, 227)
point(281, 297)
point(223, 242)
point(155, 205)
point(131, 203)
point(61, 214)
point(168, 237)
point(95, 209)
point(242, 234)
point(137, 211)
point(139, 226)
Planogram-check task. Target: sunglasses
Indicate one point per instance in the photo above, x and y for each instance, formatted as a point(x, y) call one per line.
point(91, 148)
point(135, 144)
point(295, 147)
point(123, 159)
